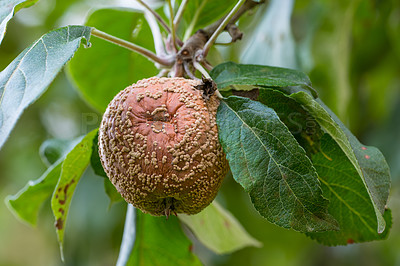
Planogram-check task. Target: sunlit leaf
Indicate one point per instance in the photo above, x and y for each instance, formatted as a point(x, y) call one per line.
point(161, 242)
point(28, 76)
point(72, 169)
point(105, 69)
point(350, 202)
point(7, 10)
point(267, 161)
point(219, 230)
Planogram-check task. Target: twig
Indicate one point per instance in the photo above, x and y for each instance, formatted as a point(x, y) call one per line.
point(207, 65)
point(248, 5)
point(221, 27)
point(162, 73)
point(188, 72)
point(201, 69)
point(133, 47)
point(194, 50)
point(171, 14)
point(157, 16)
point(234, 32)
point(179, 14)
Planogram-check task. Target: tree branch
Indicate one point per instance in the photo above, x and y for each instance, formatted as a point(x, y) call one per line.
point(248, 5)
point(221, 27)
point(198, 40)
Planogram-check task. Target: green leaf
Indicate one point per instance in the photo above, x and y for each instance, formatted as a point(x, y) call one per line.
point(271, 166)
point(7, 10)
point(219, 230)
point(350, 202)
point(369, 162)
point(161, 242)
point(111, 192)
point(372, 163)
point(229, 73)
point(300, 123)
point(28, 76)
point(54, 149)
point(27, 202)
point(72, 169)
point(95, 158)
point(102, 71)
point(98, 169)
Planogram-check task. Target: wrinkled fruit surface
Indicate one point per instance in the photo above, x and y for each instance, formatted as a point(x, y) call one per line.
point(158, 143)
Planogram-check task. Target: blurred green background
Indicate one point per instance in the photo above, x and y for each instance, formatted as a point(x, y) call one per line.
point(350, 50)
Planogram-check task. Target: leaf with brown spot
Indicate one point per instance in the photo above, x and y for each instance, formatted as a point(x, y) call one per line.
point(72, 169)
point(27, 202)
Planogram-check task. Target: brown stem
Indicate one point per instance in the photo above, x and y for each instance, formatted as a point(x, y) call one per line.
point(193, 44)
point(191, 51)
point(220, 29)
point(188, 71)
point(234, 32)
point(198, 40)
point(249, 4)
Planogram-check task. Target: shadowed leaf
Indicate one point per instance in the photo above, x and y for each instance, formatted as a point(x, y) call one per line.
point(268, 162)
point(161, 242)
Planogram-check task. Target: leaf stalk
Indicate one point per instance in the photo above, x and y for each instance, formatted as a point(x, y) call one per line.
point(133, 47)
